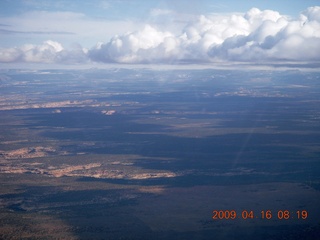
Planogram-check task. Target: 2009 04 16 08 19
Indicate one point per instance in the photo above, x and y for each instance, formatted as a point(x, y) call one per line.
point(263, 214)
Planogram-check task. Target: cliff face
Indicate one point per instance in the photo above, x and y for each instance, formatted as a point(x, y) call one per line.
point(28, 152)
point(33, 160)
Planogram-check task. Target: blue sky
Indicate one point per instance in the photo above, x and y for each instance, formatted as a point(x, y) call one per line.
point(119, 9)
point(163, 31)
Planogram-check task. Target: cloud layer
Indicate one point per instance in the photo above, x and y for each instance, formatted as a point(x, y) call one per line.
point(256, 36)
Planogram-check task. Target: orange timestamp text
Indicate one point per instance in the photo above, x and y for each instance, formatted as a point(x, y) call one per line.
point(263, 214)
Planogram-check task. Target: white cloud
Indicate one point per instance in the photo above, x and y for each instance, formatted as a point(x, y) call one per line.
point(312, 13)
point(147, 45)
point(256, 36)
point(47, 52)
point(276, 38)
point(8, 55)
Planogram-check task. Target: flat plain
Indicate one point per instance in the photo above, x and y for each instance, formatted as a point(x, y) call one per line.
point(150, 154)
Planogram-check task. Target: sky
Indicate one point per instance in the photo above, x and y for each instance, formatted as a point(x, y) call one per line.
point(72, 32)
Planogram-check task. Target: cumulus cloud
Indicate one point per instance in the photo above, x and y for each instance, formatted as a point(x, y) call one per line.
point(147, 45)
point(47, 52)
point(256, 36)
point(273, 37)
